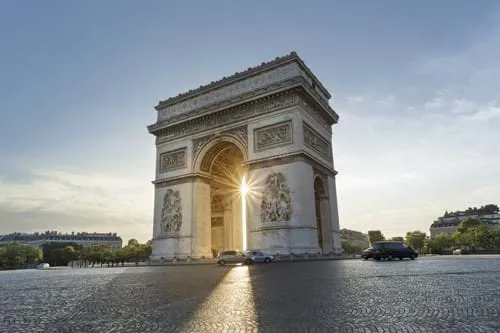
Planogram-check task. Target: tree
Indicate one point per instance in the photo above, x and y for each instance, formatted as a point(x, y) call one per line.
point(490, 209)
point(132, 242)
point(416, 239)
point(18, 256)
point(439, 242)
point(351, 248)
point(375, 236)
point(398, 239)
point(468, 224)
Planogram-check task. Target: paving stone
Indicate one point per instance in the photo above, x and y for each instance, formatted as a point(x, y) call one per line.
point(442, 294)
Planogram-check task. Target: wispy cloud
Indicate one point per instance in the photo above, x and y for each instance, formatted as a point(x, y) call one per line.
point(75, 198)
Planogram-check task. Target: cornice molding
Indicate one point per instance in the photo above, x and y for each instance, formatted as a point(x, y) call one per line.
point(251, 71)
point(294, 96)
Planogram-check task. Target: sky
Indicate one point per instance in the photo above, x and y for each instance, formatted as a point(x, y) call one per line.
point(416, 85)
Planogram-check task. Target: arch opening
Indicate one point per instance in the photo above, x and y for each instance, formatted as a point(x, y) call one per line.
point(223, 162)
point(319, 195)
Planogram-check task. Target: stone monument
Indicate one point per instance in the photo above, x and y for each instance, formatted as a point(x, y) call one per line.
point(246, 162)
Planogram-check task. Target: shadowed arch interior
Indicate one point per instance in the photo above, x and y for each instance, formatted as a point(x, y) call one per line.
point(319, 192)
point(224, 163)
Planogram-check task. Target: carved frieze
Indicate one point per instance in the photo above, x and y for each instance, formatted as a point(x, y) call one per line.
point(171, 212)
point(217, 204)
point(276, 205)
point(172, 160)
point(240, 132)
point(227, 116)
point(315, 141)
point(198, 143)
point(273, 136)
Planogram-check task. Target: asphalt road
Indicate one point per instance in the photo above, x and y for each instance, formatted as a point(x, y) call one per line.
point(438, 294)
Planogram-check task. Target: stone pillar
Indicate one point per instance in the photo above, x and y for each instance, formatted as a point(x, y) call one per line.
point(237, 230)
point(201, 221)
point(228, 226)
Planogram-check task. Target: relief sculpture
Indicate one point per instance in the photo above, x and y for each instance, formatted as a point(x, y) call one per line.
point(173, 160)
point(171, 213)
point(276, 203)
point(314, 141)
point(274, 135)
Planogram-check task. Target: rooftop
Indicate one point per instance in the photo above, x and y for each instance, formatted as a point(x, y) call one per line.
point(293, 56)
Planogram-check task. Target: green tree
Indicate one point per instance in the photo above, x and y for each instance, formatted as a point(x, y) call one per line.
point(467, 224)
point(375, 236)
point(416, 239)
point(33, 255)
point(439, 242)
point(132, 242)
point(398, 239)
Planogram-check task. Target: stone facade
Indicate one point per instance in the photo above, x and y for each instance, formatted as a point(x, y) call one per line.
point(270, 125)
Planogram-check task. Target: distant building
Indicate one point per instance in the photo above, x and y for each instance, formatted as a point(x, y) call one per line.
point(355, 238)
point(450, 222)
point(84, 239)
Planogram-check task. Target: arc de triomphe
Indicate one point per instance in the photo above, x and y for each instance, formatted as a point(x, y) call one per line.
point(246, 162)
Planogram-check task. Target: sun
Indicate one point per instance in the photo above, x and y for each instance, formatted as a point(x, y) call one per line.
point(244, 187)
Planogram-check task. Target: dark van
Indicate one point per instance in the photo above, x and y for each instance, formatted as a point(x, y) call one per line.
point(389, 250)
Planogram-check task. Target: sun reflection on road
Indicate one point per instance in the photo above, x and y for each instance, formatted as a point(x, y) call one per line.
point(231, 304)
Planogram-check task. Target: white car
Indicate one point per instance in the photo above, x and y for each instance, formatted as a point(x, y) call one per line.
point(457, 252)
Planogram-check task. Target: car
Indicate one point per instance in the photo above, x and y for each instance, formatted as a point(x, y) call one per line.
point(389, 250)
point(258, 256)
point(234, 257)
point(457, 251)
point(43, 265)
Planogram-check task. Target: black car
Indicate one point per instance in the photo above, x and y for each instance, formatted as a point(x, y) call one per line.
point(389, 251)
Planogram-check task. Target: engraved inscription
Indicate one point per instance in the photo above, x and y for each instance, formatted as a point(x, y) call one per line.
point(256, 82)
point(173, 160)
point(171, 213)
point(273, 136)
point(316, 142)
point(276, 205)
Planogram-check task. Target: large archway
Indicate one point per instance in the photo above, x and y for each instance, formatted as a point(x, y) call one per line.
point(223, 162)
point(321, 210)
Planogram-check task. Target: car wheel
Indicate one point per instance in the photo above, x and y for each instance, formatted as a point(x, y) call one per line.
point(389, 257)
point(267, 260)
point(377, 258)
point(366, 258)
point(412, 257)
point(222, 262)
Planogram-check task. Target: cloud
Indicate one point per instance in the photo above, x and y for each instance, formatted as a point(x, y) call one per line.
point(387, 101)
point(77, 201)
point(355, 99)
point(485, 114)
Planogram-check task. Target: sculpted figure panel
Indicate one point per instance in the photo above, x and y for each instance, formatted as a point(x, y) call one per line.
point(171, 213)
point(172, 160)
point(276, 203)
point(273, 136)
point(315, 141)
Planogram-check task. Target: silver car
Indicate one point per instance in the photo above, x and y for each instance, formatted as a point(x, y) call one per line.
point(234, 257)
point(258, 256)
